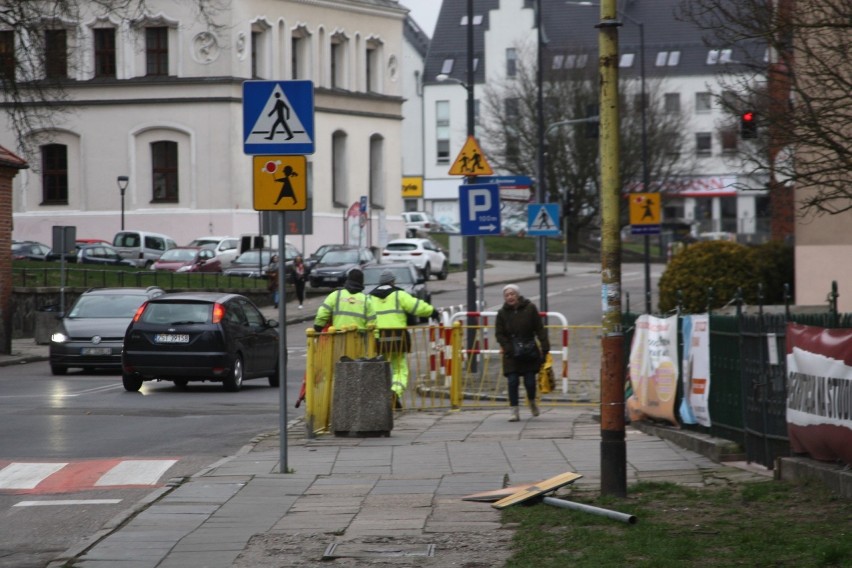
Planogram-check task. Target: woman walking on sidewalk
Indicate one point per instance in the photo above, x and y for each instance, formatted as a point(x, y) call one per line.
point(299, 279)
point(520, 331)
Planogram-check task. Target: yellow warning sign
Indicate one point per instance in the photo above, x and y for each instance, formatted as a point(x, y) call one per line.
point(280, 183)
point(644, 208)
point(538, 489)
point(412, 187)
point(471, 161)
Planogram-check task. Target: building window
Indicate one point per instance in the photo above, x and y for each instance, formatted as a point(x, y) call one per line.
point(511, 62)
point(703, 102)
point(557, 61)
point(512, 108)
point(255, 54)
point(442, 131)
point(156, 51)
point(338, 62)
point(164, 171)
point(447, 66)
point(55, 54)
point(477, 20)
point(339, 173)
point(105, 52)
point(54, 174)
point(715, 56)
point(7, 55)
point(377, 171)
point(372, 69)
point(703, 143)
point(667, 58)
point(671, 102)
point(729, 137)
point(626, 60)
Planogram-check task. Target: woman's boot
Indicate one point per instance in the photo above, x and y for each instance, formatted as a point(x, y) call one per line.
point(514, 416)
point(534, 408)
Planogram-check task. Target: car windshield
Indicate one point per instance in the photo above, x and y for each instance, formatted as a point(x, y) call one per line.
point(204, 242)
point(402, 275)
point(106, 306)
point(173, 313)
point(254, 257)
point(179, 255)
point(402, 247)
point(340, 257)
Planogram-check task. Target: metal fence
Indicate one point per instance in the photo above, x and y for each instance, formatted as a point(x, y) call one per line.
point(748, 394)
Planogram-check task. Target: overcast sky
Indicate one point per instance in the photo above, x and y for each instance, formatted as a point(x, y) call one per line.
point(424, 12)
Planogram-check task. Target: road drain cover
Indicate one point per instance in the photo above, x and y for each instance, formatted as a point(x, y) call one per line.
point(362, 550)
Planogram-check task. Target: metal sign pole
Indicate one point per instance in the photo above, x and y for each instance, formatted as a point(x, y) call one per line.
point(282, 343)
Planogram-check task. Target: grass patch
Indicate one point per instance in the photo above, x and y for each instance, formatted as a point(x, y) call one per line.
point(507, 245)
point(760, 524)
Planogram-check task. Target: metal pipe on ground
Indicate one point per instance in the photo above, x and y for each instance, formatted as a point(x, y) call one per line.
point(615, 515)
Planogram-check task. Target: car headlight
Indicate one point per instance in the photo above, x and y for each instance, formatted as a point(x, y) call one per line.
point(59, 337)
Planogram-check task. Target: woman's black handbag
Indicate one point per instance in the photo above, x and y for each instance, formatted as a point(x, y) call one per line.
point(525, 349)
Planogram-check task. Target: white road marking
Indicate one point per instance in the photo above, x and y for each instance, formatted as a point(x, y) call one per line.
point(135, 472)
point(27, 475)
point(63, 502)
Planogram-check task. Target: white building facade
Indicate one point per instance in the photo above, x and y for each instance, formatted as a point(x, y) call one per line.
point(716, 196)
point(158, 98)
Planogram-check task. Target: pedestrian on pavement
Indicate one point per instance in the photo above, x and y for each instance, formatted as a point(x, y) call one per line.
point(346, 306)
point(299, 279)
point(272, 278)
point(393, 306)
point(520, 331)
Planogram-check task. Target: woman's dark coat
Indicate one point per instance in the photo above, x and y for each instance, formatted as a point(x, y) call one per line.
point(524, 322)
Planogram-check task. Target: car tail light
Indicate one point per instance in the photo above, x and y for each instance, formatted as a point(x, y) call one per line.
point(218, 312)
point(416, 253)
point(139, 311)
point(385, 253)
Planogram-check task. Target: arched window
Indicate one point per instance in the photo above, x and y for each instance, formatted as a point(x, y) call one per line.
point(339, 169)
point(54, 174)
point(377, 171)
point(164, 172)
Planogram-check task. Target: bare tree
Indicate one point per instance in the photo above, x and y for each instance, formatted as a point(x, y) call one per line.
point(799, 80)
point(509, 129)
point(33, 93)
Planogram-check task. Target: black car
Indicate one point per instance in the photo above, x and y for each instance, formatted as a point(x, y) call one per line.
point(101, 254)
point(91, 333)
point(330, 271)
point(408, 278)
point(203, 336)
point(30, 250)
point(254, 263)
point(312, 260)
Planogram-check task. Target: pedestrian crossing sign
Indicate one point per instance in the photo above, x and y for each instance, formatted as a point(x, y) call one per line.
point(278, 117)
point(543, 220)
point(280, 183)
point(471, 161)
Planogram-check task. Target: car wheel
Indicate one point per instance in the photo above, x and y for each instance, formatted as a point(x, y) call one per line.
point(234, 381)
point(131, 383)
point(181, 383)
point(427, 272)
point(274, 380)
point(57, 370)
point(445, 271)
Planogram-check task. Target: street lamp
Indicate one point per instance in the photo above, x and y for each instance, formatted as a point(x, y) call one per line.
point(646, 179)
point(122, 186)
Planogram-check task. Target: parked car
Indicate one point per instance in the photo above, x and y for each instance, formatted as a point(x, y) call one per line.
point(418, 223)
point(188, 259)
point(91, 333)
point(312, 260)
point(101, 254)
point(30, 250)
point(407, 276)
point(330, 271)
point(142, 247)
point(201, 336)
point(226, 249)
point(252, 263)
point(425, 254)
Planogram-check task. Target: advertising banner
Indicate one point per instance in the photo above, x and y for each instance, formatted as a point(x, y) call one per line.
point(819, 392)
point(694, 407)
point(653, 369)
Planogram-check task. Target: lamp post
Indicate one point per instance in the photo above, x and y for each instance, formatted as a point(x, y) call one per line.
point(646, 176)
point(122, 186)
point(541, 195)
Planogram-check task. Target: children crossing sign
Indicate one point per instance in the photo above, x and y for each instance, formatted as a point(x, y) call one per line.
point(471, 161)
point(278, 117)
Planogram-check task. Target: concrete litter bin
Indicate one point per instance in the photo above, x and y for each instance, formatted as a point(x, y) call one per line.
point(46, 324)
point(361, 400)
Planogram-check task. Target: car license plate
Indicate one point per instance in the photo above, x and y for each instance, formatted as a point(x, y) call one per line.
point(96, 351)
point(327, 279)
point(171, 338)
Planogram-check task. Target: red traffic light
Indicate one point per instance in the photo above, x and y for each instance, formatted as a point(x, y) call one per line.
point(748, 125)
point(748, 116)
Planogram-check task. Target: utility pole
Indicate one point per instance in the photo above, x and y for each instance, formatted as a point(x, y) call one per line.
point(540, 193)
point(613, 447)
point(471, 240)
